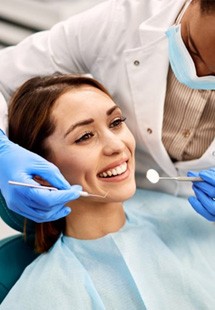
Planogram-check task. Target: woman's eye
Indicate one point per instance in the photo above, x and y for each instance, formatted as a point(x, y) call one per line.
point(84, 137)
point(117, 122)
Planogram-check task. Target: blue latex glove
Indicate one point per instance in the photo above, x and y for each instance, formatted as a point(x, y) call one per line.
point(204, 202)
point(20, 165)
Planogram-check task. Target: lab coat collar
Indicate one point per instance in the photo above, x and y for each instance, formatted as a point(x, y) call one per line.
point(149, 93)
point(154, 27)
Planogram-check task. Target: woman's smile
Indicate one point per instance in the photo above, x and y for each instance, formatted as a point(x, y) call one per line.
point(114, 169)
point(116, 174)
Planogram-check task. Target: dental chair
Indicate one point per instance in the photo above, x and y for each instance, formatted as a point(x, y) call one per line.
point(16, 253)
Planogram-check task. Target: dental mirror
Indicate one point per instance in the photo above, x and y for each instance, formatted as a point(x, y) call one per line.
point(153, 177)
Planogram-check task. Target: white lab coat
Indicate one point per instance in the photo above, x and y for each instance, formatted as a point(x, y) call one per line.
point(122, 43)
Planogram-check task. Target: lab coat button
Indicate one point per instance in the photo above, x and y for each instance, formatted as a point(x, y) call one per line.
point(149, 130)
point(213, 153)
point(136, 62)
point(201, 91)
point(186, 133)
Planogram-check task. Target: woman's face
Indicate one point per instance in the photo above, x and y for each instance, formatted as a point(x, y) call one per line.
point(91, 145)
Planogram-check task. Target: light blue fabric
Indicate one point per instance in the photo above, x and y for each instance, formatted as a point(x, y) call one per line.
point(162, 258)
point(182, 63)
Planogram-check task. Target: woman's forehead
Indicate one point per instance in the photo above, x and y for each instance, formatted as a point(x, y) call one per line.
point(83, 94)
point(84, 101)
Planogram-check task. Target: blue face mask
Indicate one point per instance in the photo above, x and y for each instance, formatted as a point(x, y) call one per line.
point(182, 63)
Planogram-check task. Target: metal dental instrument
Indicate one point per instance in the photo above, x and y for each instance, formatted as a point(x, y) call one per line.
point(32, 185)
point(86, 194)
point(153, 176)
point(82, 193)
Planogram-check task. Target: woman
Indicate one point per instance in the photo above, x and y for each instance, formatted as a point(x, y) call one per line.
point(123, 43)
point(103, 255)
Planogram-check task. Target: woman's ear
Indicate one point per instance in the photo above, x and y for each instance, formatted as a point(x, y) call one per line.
point(41, 181)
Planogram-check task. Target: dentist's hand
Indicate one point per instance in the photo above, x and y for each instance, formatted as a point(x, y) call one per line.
point(204, 202)
point(21, 165)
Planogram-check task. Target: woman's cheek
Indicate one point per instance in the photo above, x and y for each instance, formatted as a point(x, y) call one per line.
point(73, 169)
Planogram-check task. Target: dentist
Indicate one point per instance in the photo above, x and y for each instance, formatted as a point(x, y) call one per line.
point(156, 58)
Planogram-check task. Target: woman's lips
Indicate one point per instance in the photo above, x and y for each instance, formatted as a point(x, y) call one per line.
point(116, 174)
point(117, 170)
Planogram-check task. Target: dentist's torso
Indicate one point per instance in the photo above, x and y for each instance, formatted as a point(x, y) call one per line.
point(134, 66)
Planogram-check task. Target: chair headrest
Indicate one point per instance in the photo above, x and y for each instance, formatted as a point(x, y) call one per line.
point(13, 219)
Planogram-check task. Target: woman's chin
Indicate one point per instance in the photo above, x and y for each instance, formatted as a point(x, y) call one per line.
point(122, 194)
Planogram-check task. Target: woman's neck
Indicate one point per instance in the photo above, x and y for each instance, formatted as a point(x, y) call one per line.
point(93, 221)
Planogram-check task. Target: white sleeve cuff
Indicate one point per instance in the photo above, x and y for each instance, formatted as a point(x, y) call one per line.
point(3, 114)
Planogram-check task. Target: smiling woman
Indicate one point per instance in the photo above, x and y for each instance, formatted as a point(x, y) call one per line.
point(106, 254)
point(75, 124)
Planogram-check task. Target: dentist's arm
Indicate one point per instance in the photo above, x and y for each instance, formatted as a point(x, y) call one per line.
point(67, 48)
point(204, 201)
point(19, 164)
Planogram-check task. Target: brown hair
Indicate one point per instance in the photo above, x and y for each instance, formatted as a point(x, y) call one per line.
point(30, 124)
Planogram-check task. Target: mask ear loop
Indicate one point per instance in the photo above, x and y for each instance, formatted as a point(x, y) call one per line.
point(180, 15)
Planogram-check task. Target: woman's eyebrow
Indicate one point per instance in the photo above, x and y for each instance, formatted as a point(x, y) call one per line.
point(110, 111)
point(78, 124)
point(88, 121)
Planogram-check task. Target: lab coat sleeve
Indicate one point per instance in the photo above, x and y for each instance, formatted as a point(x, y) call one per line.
point(71, 46)
point(3, 113)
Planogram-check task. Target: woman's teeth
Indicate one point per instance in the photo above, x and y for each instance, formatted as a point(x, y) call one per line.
point(115, 171)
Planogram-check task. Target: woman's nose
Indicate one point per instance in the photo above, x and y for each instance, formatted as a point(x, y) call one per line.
point(113, 145)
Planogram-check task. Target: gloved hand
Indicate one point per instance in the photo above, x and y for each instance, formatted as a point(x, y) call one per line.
point(204, 202)
point(40, 205)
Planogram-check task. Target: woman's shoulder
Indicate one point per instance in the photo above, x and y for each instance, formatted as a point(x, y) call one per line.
point(45, 280)
point(57, 259)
